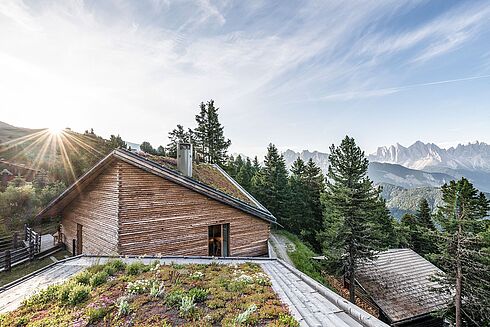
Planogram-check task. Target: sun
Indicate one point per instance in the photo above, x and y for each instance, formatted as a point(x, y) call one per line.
point(55, 130)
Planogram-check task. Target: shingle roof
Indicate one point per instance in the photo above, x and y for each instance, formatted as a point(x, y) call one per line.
point(164, 169)
point(400, 281)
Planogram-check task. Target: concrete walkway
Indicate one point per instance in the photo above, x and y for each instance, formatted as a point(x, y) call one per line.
point(309, 302)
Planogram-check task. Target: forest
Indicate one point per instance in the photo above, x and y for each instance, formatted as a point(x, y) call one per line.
point(341, 216)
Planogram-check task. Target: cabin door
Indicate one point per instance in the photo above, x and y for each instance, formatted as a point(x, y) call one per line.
point(79, 239)
point(219, 240)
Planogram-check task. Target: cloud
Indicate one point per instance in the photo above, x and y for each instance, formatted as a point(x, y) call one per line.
point(140, 67)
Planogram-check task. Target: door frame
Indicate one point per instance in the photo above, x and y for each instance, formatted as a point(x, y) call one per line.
point(79, 248)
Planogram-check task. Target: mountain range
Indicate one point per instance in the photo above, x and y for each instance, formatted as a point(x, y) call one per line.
point(410, 173)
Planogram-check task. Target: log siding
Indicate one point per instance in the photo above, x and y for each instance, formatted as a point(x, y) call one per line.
point(129, 211)
point(157, 216)
point(96, 209)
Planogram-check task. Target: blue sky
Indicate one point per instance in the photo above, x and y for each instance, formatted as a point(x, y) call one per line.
point(299, 74)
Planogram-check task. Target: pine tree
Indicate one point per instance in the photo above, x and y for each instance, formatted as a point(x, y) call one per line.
point(315, 182)
point(161, 151)
point(245, 175)
point(270, 185)
point(256, 166)
point(178, 135)
point(464, 252)
point(146, 147)
point(424, 217)
point(116, 142)
point(211, 144)
point(298, 202)
point(351, 232)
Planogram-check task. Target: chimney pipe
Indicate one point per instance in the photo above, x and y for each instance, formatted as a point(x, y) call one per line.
point(184, 158)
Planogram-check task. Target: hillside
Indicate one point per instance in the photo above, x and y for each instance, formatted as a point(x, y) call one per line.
point(9, 132)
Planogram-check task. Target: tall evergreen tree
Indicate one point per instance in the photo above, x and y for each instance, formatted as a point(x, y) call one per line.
point(146, 147)
point(116, 142)
point(298, 202)
point(211, 144)
point(256, 166)
point(424, 216)
point(351, 232)
point(464, 252)
point(245, 175)
point(270, 185)
point(161, 151)
point(178, 135)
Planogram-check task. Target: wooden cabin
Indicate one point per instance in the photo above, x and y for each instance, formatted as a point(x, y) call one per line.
point(129, 204)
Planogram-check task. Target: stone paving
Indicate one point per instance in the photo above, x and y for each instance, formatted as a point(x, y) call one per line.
point(309, 302)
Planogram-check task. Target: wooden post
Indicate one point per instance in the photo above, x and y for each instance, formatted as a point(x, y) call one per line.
point(74, 252)
point(25, 232)
point(8, 261)
point(15, 240)
point(31, 251)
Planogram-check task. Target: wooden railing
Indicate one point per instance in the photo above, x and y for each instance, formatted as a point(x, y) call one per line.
point(32, 237)
point(13, 251)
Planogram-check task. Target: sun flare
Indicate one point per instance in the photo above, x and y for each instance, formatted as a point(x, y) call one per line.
point(55, 130)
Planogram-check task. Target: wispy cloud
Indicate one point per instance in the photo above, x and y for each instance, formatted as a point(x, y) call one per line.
point(86, 63)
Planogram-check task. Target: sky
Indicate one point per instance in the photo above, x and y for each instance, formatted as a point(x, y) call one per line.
point(299, 74)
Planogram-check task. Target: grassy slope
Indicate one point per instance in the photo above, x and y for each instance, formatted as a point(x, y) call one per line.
point(29, 267)
point(301, 257)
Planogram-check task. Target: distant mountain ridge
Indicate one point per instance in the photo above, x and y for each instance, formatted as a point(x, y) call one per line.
point(429, 156)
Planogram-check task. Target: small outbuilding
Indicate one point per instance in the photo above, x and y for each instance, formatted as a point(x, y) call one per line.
point(132, 204)
point(401, 284)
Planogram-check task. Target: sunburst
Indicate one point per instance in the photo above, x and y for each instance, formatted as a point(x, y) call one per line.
point(48, 144)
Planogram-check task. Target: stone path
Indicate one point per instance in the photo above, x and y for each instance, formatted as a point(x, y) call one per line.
point(309, 302)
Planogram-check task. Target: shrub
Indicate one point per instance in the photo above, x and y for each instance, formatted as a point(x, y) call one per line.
point(198, 294)
point(98, 279)
point(287, 320)
point(44, 296)
point(123, 308)
point(138, 287)
point(175, 297)
point(96, 268)
point(64, 291)
point(109, 270)
point(244, 317)
point(157, 290)
point(117, 264)
point(78, 294)
point(135, 268)
point(95, 314)
point(196, 275)
point(187, 307)
point(83, 277)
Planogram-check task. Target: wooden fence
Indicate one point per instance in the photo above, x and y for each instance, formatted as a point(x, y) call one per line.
point(13, 251)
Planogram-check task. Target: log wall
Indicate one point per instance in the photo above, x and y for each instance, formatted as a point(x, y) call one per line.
point(96, 209)
point(159, 217)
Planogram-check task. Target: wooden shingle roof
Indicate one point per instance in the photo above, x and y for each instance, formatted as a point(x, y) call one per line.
point(400, 282)
point(215, 184)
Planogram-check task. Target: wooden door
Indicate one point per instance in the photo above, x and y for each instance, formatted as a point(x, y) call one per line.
point(79, 239)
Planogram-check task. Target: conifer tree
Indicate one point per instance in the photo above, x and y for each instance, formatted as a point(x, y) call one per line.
point(351, 232)
point(116, 142)
point(315, 182)
point(245, 174)
point(298, 202)
point(146, 147)
point(211, 144)
point(464, 252)
point(178, 135)
point(256, 166)
point(270, 185)
point(424, 217)
point(161, 151)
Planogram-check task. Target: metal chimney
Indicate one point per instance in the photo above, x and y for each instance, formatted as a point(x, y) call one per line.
point(184, 158)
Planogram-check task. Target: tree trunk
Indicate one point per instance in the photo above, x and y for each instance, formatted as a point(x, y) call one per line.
point(457, 296)
point(352, 277)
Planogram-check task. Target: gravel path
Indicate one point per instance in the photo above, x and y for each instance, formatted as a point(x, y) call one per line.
point(280, 245)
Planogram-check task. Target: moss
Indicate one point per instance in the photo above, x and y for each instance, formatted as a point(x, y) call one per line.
point(187, 300)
